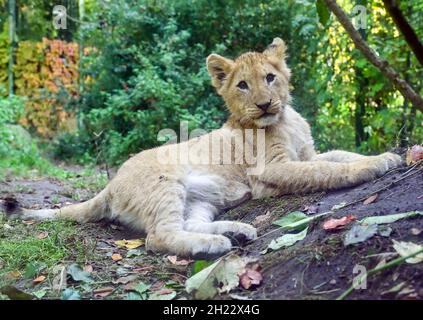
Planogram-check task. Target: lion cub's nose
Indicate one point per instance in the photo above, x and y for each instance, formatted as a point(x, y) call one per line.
point(264, 106)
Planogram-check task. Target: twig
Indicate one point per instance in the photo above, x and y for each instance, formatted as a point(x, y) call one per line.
point(378, 269)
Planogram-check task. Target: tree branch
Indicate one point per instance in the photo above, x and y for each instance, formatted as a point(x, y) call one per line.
point(405, 28)
point(406, 90)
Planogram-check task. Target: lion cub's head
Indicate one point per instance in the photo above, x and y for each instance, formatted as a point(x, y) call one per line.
point(255, 86)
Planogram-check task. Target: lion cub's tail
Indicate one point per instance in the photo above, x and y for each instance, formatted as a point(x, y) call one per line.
point(91, 210)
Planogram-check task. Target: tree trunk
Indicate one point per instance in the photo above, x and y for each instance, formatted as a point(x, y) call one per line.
point(12, 40)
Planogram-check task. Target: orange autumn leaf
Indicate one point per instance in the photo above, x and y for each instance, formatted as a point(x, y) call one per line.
point(336, 224)
point(116, 257)
point(39, 279)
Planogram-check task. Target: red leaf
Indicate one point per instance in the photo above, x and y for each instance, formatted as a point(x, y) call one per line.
point(174, 260)
point(336, 224)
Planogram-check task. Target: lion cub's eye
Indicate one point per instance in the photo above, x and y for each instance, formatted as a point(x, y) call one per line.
point(270, 77)
point(242, 85)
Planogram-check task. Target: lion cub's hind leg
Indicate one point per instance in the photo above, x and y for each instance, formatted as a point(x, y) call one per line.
point(199, 218)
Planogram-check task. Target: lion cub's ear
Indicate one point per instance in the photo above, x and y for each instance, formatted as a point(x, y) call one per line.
point(218, 68)
point(276, 49)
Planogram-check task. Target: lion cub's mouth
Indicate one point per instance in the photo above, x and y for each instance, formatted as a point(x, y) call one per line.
point(267, 115)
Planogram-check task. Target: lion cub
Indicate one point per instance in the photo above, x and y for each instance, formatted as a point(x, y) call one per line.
point(173, 192)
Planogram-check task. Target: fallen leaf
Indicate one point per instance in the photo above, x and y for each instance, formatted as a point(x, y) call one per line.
point(102, 292)
point(78, 274)
point(414, 154)
point(336, 224)
point(40, 293)
point(133, 253)
point(143, 270)
point(297, 220)
point(15, 294)
point(359, 233)
point(28, 222)
point(165, 294)
point(60, 279)
point(250, 278)
point(371, 199)
point(415, 231)
point(125, 280)
point(221, 276)
point(129, 244)
point(338, 206)
point(70, 294)
point(13, 274)
point(406, 291)
point(395, 288)
point(389, 218)
point(291, 218)
point(42, 235)
point(141, 288)
point(200, 265)
point(88, 268)
point(129, 286)
point(39, 279)
point(407, 248)
point(116, 257)
point(384, 231)
point(311, 209)
point(262, 219)
point(286, 240)
point(174, 260)
point(32, 269)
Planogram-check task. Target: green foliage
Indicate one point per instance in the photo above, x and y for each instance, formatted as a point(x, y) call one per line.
point(18, 151)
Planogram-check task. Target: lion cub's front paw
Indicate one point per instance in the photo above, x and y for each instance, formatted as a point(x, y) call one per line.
point(390, 160)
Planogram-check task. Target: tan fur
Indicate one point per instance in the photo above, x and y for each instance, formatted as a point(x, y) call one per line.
point(175, 204)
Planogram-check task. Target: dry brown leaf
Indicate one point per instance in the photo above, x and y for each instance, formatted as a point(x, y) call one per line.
point(250, 278)
point(38, 279)
point(371, 199)
point(262, 219)
point(414, 154)
point(143, 270)
point(311, 209)
point(103, 292)
point(42, 235)
point(336, 224)
point(130, 286)
point(174, 260)
point(13, 274)
point(164, 291)
point(88, 268)
point(116, 257)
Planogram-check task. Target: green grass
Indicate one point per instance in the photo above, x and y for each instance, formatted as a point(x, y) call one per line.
point(20, 246)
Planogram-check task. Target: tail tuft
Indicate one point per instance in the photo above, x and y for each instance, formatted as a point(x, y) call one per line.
point(11, 206)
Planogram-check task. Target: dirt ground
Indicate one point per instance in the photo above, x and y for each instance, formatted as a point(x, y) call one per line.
point(318, 267)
